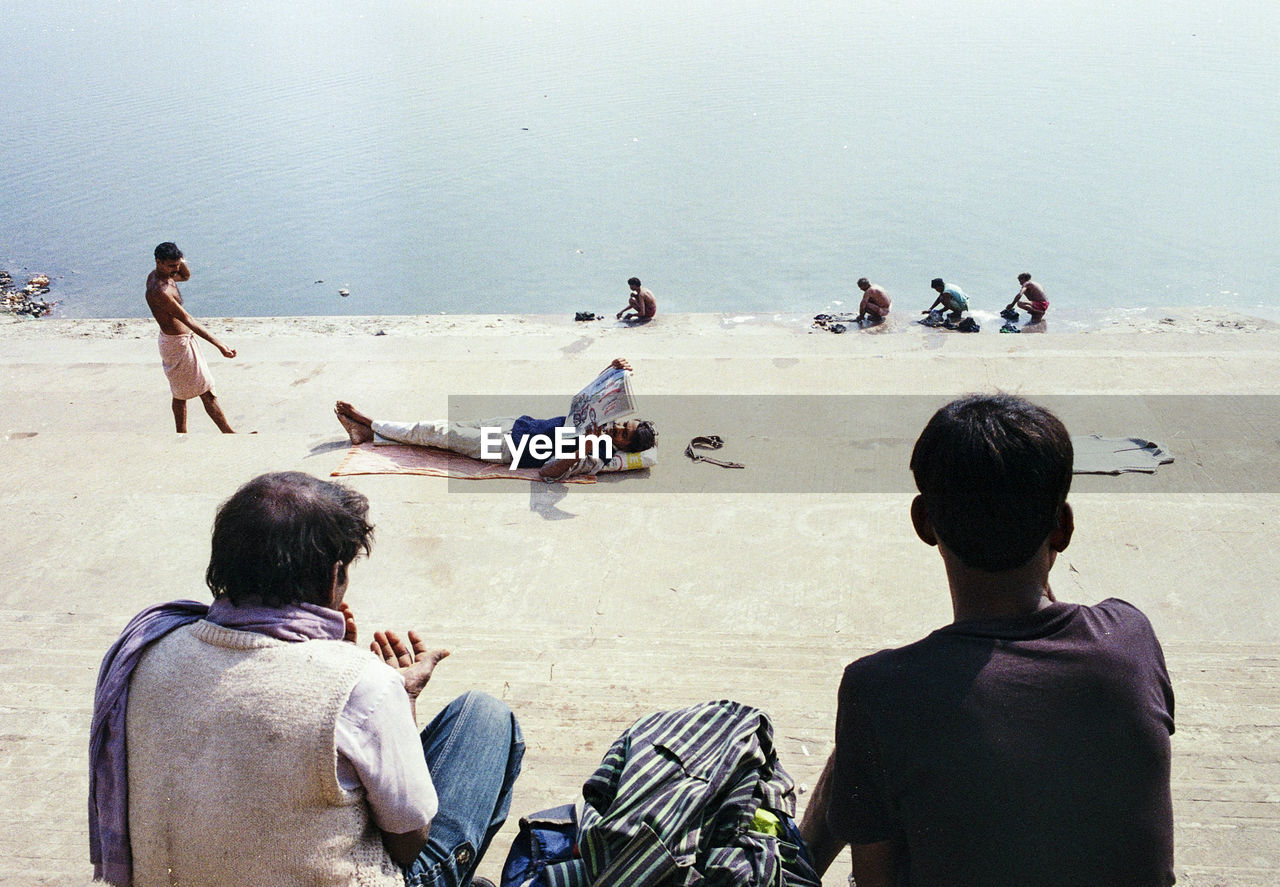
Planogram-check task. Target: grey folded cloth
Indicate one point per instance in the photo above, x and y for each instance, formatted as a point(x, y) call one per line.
point(1095, 454)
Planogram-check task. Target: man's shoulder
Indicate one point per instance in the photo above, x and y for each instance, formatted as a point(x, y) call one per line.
point(333, 663)
point(160, 288)
point(1118, 606)
point(341, 652)
point(1118, 621)
point(1112, 621)
point(893, 664)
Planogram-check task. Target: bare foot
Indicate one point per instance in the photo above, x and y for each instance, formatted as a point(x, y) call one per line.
point(358, 432)
point(346, 409)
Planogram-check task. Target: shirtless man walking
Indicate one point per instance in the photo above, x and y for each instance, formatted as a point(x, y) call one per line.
point(184, 366)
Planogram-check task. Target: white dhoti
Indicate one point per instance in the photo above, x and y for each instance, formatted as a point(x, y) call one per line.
point(184, 366)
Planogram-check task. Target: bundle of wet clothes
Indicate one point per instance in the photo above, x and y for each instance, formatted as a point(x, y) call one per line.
point(937, 317)
point(838, 323)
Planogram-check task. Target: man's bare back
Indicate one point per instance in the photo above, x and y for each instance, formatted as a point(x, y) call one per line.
point(1033, 292)
point(876, 296)
point(644, 303)
point(1030, 298)
point(641, 301)
point(875, 301)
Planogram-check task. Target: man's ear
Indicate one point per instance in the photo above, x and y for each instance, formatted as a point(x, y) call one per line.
point(1060, 538)
point(920, 520)
point(337, 584)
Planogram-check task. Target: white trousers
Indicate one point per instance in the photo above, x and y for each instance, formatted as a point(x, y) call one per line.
point(457, 437)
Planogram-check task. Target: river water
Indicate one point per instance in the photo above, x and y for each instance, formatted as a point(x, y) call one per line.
point(500, 156)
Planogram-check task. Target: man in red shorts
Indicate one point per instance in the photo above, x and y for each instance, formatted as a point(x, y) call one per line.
point(1030, 298)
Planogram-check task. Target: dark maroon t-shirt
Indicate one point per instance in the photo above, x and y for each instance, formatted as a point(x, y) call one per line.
point(1028, 751)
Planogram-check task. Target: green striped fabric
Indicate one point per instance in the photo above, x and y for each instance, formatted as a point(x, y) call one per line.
point(672, 803)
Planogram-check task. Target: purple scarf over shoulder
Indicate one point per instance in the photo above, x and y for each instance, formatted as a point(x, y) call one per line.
point(109, 849)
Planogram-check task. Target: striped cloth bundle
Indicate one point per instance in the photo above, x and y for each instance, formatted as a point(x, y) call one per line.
point(676, 801)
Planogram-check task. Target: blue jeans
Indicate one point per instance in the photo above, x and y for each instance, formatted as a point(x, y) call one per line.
point(473, 750)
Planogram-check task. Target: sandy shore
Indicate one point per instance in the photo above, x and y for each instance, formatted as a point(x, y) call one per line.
point(586, 607)
point(1120, 321)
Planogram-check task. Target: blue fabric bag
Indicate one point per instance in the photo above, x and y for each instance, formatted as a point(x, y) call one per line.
point(545, 837)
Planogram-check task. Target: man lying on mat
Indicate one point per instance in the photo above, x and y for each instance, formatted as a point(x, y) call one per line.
point(469, 438)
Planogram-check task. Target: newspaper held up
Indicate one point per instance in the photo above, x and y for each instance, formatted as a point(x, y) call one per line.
point(605, 400)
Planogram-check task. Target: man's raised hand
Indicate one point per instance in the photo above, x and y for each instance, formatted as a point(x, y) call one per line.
point(413, 660)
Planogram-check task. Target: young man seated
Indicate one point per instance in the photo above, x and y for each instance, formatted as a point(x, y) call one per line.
point(1026, 743)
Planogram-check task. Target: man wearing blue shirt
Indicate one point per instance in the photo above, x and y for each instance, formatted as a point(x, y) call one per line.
point(950, 297)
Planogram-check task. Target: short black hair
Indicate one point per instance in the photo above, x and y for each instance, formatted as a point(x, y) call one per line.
point(276, 540)
point(937, 284)
point(168, 251)
point(643, 438)
point(862, 281)
point(1023, 277)
point(994, 471)
point(634, 281)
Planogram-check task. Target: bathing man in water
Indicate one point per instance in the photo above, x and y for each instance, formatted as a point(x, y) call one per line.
point(1030, 298)
point(184, 366)
point(875, 302)
point(641, 302)
point(950, 297)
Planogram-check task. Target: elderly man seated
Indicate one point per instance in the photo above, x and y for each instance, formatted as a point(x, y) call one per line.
point(253, 742)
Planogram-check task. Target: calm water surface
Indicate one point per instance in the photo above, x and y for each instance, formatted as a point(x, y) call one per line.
point(490, 156)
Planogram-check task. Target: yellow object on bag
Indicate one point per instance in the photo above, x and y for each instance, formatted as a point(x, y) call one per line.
point(766, 823)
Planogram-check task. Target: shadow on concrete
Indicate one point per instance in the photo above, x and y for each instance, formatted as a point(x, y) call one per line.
point(543, 499)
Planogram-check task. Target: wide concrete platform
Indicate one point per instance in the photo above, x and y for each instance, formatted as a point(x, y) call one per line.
point(585, 607)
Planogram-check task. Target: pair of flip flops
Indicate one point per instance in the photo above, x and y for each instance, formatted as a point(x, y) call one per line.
point(709, 442)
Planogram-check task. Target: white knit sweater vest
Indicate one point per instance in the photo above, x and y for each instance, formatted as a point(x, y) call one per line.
point(233, 769)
